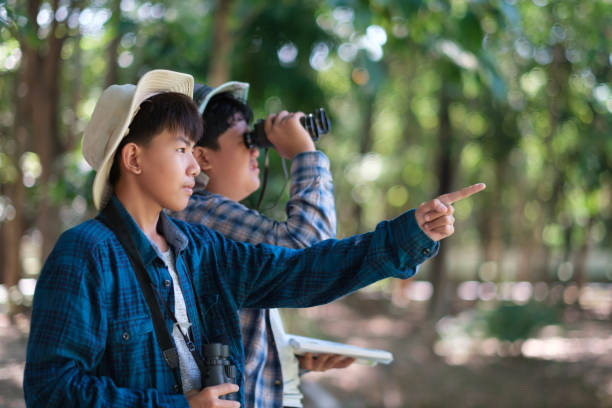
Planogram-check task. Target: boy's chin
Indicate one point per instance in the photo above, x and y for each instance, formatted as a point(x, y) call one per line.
point(255, 186)
point(247, 193)
point(177, 206)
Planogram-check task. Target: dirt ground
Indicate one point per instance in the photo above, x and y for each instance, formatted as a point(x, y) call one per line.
point(577, 370)
point(580, 376)
point(13, 340)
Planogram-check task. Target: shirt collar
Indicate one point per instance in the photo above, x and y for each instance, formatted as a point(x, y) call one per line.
point(148, 251)
point(174, 236)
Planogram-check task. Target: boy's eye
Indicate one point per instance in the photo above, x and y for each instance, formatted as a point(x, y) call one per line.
point(182, 150)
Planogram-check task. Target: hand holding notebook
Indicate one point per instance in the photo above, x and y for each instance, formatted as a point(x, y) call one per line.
point(302, 345)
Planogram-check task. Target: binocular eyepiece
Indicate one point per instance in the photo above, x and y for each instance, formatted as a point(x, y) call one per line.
point(316, 124)
point(218, 368)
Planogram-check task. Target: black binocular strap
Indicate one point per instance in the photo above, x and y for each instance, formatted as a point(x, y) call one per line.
point(113, 221)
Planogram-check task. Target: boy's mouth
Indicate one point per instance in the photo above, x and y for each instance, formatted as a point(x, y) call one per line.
point(189, 187)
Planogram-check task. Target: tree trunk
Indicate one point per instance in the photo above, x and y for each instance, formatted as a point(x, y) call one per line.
point(73, 135)
point(13, 228)
point(438, 303)
point(558, 73)
point(580, 275)
point(112, 72)
point(12, 232)
point(365, 145)
point(43, 100)
point(493, 220)
point(36, 115)
point(222, 44)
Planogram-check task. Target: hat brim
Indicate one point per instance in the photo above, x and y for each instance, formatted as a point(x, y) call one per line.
point(151, 83)
point(240, 91)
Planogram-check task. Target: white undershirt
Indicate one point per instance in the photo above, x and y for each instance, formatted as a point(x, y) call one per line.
point(190, 373)
point(292, 397)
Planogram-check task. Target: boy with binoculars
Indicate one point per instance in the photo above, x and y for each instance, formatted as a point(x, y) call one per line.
point(227, 154)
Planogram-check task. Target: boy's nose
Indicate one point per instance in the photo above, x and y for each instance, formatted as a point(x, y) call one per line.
point(193, 168)
point(255, 152)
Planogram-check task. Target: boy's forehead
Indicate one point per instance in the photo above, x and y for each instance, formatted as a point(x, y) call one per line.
point(182, 137)
point(174, 135)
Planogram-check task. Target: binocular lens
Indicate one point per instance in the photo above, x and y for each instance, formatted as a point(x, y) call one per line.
point(316, 124)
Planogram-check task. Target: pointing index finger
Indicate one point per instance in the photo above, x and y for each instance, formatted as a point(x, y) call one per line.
point(450, 198)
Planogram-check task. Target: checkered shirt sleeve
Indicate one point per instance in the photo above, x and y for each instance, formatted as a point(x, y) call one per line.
point(311, 217)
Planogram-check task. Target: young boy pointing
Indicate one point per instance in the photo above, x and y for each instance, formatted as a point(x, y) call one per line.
point(96, 339)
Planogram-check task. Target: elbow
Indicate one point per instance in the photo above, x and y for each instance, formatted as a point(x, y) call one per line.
point(42, 387)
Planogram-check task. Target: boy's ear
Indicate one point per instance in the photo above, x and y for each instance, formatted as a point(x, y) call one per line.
point(130, 158)
point(201, 155)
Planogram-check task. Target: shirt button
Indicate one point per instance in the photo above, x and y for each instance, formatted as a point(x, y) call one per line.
point(176, 388)
point(425, 251)
point(166, 283)
point(125, 336)
point(277, 382)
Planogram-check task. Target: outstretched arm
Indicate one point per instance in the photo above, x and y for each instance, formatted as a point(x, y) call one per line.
point(278, 277)
point(268, 276)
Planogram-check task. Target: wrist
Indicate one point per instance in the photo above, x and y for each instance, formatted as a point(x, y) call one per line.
point(304, 148)
point(301, 151)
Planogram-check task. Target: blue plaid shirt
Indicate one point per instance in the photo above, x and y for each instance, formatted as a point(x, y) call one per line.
point(311, 217)
point(92, 342)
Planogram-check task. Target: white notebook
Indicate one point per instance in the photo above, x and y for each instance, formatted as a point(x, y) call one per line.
point(302, 345)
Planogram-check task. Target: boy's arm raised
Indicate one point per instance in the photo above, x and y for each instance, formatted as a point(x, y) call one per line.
point(311, 214)
point(266, 276)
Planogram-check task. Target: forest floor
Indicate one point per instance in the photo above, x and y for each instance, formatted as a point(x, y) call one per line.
point(573, 369)
point(568, 369)
point(13, 340)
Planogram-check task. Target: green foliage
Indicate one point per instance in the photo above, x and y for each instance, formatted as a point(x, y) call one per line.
point(510, 322)
point(528, 87)
point(270, 29)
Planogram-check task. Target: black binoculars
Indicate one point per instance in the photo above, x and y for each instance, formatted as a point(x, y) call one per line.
point(316, 124)
point(218, 368)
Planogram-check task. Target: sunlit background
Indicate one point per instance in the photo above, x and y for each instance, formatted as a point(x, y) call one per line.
point(424, 97)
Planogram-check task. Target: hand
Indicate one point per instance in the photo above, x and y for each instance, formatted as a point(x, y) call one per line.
point(435, 217)
point(324, 362)
point(287, 134)
point(209, 397)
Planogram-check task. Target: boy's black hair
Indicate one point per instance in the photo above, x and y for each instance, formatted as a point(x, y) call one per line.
point(221, 112)
point(165, 111)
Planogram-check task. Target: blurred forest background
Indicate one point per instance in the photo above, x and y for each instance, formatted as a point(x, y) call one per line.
point(424, 97)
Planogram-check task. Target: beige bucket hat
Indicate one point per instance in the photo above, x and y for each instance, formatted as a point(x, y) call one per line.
point(111, 119)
